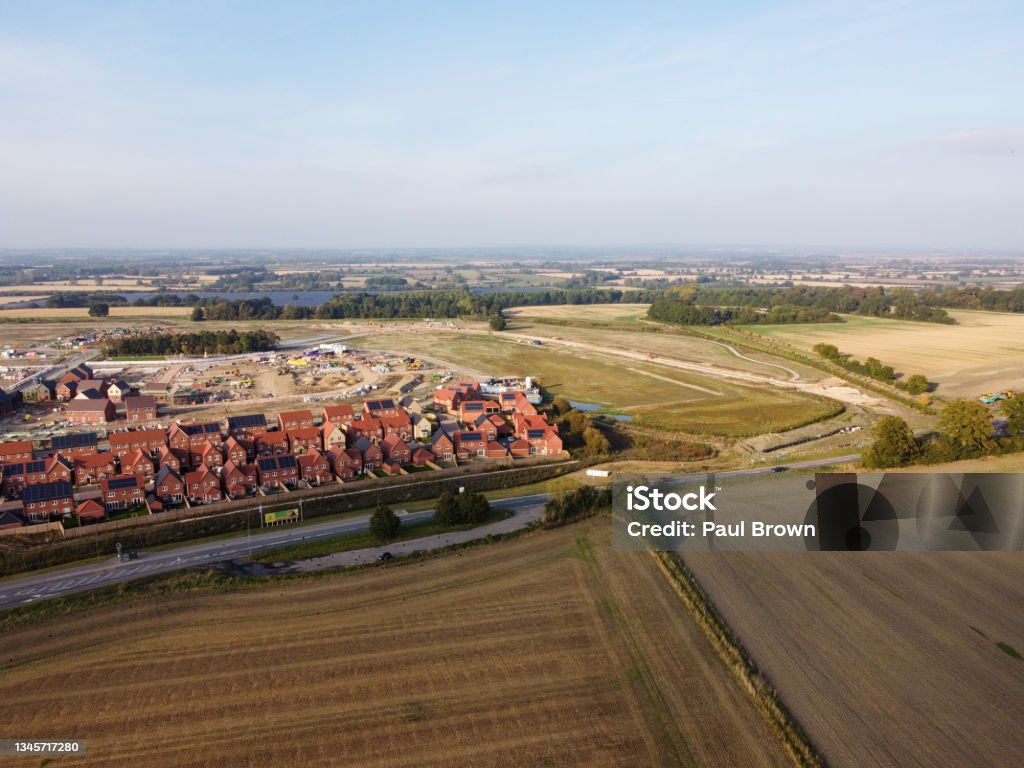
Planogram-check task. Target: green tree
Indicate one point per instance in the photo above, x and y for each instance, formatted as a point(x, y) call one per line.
point(917, 384)
point(967, 424)
point(99, 309)
point(561, 405)
point(597, 444)
point(198, 315)
point(498, 322)
point(384, 523)
point(446, 511)
point(828, 351)
point(894, 445)
point(1013, 410)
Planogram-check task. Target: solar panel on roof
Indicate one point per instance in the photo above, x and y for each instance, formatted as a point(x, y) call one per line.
point(535, 433)
point(247, 420)
point(74, 440)
point(267, 464)
point(117, 483)
point(471, 436)
point(285, 462)
point(47, 491)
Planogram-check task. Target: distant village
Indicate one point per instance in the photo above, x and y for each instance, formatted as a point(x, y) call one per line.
point(142, 465)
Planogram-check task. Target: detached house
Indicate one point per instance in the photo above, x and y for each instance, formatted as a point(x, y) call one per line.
point(238, 451)
point(117, 391)
point(277, 470)
point(447, 399)
point(470, 410)
point(92, 469)
point(137, 463)
point(202, 486)
point(371, 454)
point(168, 485)
point(122, 443)
point(207, 455)
point(333, 435)
point(248, 426)
point(271, 443)
point(375, 409)
point(239, 480)
point(371, 429)
point(442, 446)
point(339, 414)
point(315, 468)
point(395, 450)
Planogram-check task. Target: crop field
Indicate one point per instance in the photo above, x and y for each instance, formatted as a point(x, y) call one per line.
point(691, 402)
point(548, 650)
point(984, 352)
point(885, 658)
point(604, 313)
point(50, 313)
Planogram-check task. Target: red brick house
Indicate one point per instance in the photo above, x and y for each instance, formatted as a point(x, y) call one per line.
point(524, 406)
point(46, 500)
point(90, 509)
point(247, 426)
point(238, 451)
point(392, 468)
point(373, 457)
point(207, 455)
point(442, 446)
point(346, 462)
point(371, 429)
point(123, 491)
point(507, 401)
point(168, 457)
point(239, 480)
point(93, 389)
point(168, 485)
point(339, 414)
point(470, 445)
point(131, 440)
point(92, 469)
point(272, 443)
point(75, 445)
point(202, 486)
point(276, 470)
point(289, 420)
point(139, 409)
point(522, 423)
point(493, 427)
point(447, 399)
point(91, 412)
point(315, 468)
point(15, 450)
point(470, 410)
point(137, 463)
point(186, 437)
point(469, 390)
point(375, 409)
point(543, 442)
point(19, 474)
point(399, 425)
point(394, 449)
point(304, 440)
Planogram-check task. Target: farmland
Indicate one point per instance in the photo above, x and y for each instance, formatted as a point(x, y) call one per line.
point(590, 654)
point(82, 313)
point(885, 658)
point(693, 402)
point(984, 351)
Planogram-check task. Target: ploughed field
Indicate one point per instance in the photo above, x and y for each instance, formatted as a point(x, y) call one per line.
point(908, 659)
point(548, 650)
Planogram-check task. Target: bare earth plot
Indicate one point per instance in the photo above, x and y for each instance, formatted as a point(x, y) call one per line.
point(885, 659)
point(984, 352)
point(546, 651)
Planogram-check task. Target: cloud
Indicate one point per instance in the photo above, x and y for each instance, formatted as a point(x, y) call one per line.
point(984, 142)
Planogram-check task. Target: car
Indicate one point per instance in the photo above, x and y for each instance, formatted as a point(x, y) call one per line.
point(779, 469)
point(383, 557)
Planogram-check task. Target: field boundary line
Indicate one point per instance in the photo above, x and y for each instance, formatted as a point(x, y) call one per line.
point(729, 648)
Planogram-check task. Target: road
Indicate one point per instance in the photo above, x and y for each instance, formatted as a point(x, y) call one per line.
point(66, 581)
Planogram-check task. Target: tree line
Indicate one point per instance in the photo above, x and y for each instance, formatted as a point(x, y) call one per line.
point(915, 384)
point(198, 343)
point(708, 304)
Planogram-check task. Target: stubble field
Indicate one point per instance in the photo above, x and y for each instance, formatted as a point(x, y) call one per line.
point(546, 651)
point(885, 658)
point(983, 352)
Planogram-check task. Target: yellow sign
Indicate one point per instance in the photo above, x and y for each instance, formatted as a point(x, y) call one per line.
point(281, 516)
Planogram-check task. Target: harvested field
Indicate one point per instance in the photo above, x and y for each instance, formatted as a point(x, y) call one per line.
point(51, 313)
point(885, 658)
point(984, 352)
point(549, 650)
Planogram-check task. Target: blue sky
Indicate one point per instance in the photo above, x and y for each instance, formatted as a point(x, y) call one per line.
point(235, 124)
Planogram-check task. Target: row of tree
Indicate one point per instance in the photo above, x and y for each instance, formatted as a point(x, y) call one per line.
point(230, 342)
point(915, 384)
point(711, 304)
point(965, 430)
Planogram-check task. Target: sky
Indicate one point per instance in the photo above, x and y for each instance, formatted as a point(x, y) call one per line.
point(410, 124)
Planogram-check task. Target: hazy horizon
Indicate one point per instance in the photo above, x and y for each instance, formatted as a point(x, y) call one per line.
point(836, 125)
